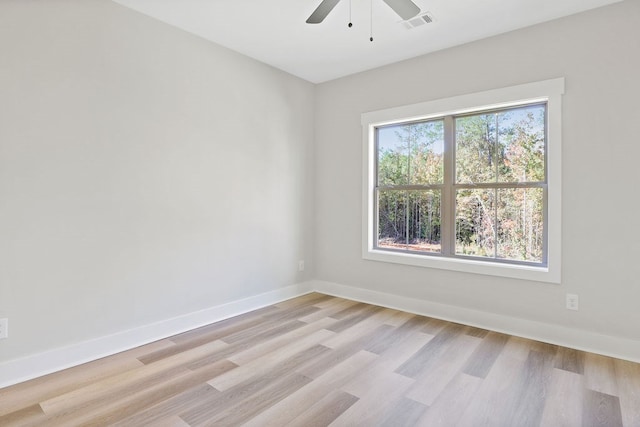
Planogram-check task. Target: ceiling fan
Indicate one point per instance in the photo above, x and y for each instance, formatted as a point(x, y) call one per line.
point(406, 9)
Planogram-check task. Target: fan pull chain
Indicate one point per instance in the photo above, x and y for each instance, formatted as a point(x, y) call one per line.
point(350, 21)
point(371, 24)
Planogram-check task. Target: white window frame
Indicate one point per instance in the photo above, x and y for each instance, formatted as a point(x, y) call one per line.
point(549, 91)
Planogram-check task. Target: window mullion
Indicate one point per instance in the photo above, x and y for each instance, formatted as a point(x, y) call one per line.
point(495, 223)
point(447, 228)
point(407, 210)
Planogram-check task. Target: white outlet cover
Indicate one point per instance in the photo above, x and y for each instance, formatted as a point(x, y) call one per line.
point(572, 302)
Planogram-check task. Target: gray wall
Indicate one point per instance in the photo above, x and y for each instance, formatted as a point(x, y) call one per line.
point(144, 173)
point(597, 53)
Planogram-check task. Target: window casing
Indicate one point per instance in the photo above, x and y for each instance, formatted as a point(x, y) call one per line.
point(431, 200)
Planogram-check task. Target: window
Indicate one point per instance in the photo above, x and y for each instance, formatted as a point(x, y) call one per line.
point(470, 183)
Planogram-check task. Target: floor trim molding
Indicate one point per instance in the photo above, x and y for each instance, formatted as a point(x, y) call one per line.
point(579, 339)
point(29, 367)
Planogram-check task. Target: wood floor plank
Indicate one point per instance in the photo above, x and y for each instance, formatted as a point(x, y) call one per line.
point(202, 336)
point(565, 409)
point(422, 324)
point(32, 392)
point(526, 401)
point(483, 358)
point(517, 348)
point(292, 406)
point(32, 415)
point(248, 342)
point(43, 388)
point(386, 363)
point(382, 339)
point(172, 421)
point(349, 321)
point(430, 353)
point(268, 361)
point(250, 387)
point(347, 331)
point(374, 403)
point(265, 330)
point(477, 332)
point(434, 326)
point(451, 402)
point(599, 373)
point(385, 336)
point(380, 384)
point(391, 358)
point(406, 412)
point(399, 318)
point(126, 405)
point(321, 360)
point(250, 407)
point(129, 381)
point(390, 338)
point(628, 381)
point(254, 352)
point(218, 328)
point(312, 298)
point(327, 309)
point(341, 353)
point(290, 314)
point(431, 383)
point(326, 410)
point(570, 360)
point(144, 349)
point(350, 311)
point(601, 410)
point(487, 407)
point(167, 409)
point(327, 301)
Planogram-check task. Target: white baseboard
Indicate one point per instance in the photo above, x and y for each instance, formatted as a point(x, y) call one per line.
point(618, 347)
point(26, 368)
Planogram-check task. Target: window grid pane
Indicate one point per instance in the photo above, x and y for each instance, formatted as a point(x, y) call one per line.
point(475, 222)
point(475, 150)
point(521, 144)
point(410, 154)
point(504, 146)
point(409, 220)
point(520, 224)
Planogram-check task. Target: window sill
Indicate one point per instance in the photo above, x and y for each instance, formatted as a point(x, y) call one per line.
point(523, 272)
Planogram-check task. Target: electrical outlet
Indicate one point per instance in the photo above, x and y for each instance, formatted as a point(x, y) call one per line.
point(572, 302)
point(301, 265)
point(4, 328)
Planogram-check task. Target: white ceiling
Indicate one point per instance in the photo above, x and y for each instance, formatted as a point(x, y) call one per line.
point(275, 32)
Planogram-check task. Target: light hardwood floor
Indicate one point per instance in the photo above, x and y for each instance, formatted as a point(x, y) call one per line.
point(318, 360)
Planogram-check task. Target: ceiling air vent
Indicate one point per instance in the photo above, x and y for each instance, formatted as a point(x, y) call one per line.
point(417, 21)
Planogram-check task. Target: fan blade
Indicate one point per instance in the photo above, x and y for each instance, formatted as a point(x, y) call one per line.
point(405, 8)
point(322, 11)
